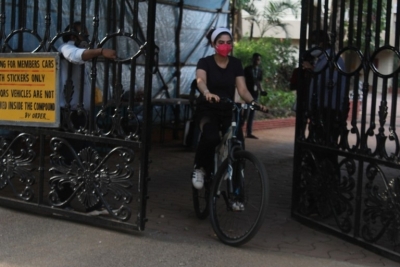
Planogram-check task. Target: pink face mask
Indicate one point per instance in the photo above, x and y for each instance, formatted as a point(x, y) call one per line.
point(223, 49)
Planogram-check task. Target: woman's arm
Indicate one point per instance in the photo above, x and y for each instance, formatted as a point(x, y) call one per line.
point(201, 77)
point(242, 89)
point(244, 93)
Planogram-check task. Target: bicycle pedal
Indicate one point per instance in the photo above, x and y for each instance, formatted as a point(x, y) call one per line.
point(237, 206)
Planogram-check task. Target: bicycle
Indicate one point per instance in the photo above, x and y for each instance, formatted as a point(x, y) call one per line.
point(236, 195)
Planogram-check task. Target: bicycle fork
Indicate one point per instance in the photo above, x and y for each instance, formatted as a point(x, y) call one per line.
point(232, 196)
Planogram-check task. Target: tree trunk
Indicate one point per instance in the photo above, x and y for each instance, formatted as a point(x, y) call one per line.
point(237, 23)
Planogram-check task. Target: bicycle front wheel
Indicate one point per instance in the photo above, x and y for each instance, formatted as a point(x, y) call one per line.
point(238, 206)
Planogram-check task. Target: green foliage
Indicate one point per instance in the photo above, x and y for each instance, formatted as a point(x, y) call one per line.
point(279, 99)
point(377, 19)
point(278, 61)
point(241, 4)
point(245, 48)
point(274, 13)
point(284, 63)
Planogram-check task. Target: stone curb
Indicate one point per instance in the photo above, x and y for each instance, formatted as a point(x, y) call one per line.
point(273, 123)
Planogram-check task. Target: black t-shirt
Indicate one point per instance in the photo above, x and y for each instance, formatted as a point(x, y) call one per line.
point(221, 82)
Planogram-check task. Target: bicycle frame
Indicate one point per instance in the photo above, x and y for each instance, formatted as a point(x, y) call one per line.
point(229, 142)
point(226, 148)
point(238, 197)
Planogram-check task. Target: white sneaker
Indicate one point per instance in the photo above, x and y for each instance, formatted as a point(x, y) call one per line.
point(198, 178)
point(237, 206)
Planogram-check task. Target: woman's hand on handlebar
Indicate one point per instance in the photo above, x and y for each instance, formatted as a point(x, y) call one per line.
point(211, 97)
point(264, 109)
point(256, 106)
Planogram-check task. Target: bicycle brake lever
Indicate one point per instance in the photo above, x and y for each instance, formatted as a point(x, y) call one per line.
point(225, 100)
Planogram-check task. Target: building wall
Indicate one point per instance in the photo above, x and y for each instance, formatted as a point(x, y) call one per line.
point(293, 28)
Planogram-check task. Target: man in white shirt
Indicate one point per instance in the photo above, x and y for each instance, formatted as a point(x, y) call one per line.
point(75, 49)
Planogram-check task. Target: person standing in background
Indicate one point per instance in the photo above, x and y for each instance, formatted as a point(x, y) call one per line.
point(75, 50)
point(326, 86)
point(253, 75)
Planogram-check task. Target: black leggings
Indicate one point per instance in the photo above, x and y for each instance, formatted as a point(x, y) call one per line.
point(211, 128)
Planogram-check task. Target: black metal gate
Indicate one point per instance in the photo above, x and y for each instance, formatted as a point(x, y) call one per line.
point(346, 167)
point(94, 167)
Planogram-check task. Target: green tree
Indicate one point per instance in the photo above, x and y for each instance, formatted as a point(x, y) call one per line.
point(277, 57)
point(278, 61)
point(237, 6)
point(358, 27)
point(270, 17)
point(273, 13)
point(285, 61)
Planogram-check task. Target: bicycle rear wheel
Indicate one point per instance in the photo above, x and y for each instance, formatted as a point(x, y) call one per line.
point(200, 200)
point(238, 208)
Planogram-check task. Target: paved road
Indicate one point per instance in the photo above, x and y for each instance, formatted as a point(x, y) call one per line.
point(173, 235)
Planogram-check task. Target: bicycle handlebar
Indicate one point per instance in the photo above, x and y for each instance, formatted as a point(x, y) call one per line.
point(253, 106)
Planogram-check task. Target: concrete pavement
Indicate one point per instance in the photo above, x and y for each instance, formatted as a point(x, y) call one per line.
point(173, 235)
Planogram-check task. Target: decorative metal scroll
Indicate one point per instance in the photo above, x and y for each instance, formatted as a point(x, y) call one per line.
point(88, 169)
point(16, 168)
point(326, 189)
point(381, 215)
point(89, 178)
point(347, 146)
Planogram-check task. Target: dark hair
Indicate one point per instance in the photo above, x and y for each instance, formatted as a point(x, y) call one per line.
point(74, 26)
point(321, 36)
point(208, 36)
point(255, 57)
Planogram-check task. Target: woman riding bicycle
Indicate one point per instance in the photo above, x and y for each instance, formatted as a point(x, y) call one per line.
point(217, 76)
